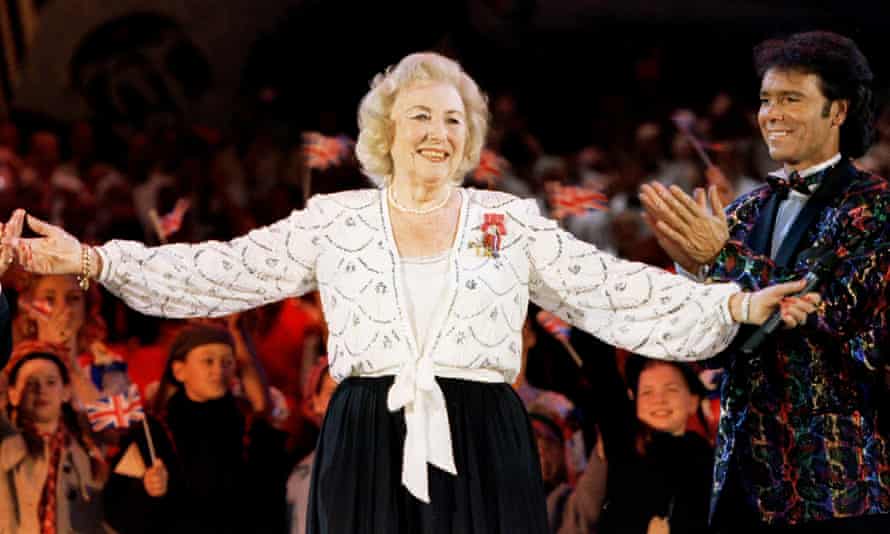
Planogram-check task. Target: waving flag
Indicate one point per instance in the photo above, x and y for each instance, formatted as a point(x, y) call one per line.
point(490, 170)
point(117, 411)
point(170, 223)
point(568, 200)
point(554, 326)
point(322, 151)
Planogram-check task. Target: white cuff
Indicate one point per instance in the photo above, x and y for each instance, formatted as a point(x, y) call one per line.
point(105, 272)
point(698, 277)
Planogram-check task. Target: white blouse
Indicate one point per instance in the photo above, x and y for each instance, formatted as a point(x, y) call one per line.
point(424, 279)
point(342, 244)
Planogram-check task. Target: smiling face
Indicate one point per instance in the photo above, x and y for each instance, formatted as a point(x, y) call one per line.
point(800, 126)
point(664, 401)
point(39, 391)
point(206, 371)
point(430, 132)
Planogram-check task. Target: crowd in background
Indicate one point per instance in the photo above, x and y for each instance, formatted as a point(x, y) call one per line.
point(625, 444)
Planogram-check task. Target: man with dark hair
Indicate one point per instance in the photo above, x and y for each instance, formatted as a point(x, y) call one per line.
point(799, 445)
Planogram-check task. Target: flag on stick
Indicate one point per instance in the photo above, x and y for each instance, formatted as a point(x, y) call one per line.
point(560, 330)
point(684, 120)
point(169, 224)
point(116, 411)
point(322, 151)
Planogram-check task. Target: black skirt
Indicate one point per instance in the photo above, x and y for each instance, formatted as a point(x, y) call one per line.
point(356, 478)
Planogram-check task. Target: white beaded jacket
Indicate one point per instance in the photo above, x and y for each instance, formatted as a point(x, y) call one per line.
point(342, 244)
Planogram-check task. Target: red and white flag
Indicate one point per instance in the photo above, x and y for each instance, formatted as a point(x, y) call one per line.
point(117, 411)
point(490, 170)
point(322, 151)
point(170, 223)
point(554, 326)
point(568, 200)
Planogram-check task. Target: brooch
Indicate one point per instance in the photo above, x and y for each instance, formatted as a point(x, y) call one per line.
point(493, 231)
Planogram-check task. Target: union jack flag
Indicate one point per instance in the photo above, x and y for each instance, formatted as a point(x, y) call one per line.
point(172, 222)
point(568, 200)
point(116, 411)
point(491, 168)
point(554, 326)
point(322, 151)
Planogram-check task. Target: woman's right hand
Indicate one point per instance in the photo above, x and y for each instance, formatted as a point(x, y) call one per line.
point(55, 252)
point(779, 297)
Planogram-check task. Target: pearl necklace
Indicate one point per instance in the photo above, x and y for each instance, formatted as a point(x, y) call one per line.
point(395, 203)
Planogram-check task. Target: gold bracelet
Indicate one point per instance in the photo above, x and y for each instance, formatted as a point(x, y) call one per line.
point(83, 279)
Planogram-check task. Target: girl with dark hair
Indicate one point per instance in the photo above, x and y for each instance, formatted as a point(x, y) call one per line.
point(660, 480)
point(51, 472)
point(221, 463)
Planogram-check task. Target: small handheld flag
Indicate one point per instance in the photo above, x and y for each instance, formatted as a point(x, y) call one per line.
point(322, 151)
point(560, 330)
point(568, 200)
point(116, 411)
point(169, 224)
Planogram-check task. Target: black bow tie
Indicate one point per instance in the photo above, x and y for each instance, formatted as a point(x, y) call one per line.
point(796, 182)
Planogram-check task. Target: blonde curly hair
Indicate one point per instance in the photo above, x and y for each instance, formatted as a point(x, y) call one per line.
point(376, 134)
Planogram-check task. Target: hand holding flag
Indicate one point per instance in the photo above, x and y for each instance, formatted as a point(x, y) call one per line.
point(118, 411)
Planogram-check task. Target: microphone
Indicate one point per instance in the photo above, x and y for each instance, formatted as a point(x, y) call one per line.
point(823, 262)
point(767, 328)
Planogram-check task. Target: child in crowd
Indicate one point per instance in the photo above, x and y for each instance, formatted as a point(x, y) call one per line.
point(226, 471)
point(661, 482)
point(51, 472)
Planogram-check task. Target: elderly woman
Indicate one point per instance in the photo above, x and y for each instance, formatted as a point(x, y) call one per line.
point(425, 287)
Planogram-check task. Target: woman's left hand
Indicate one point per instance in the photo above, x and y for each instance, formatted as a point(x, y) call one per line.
point(54, 252)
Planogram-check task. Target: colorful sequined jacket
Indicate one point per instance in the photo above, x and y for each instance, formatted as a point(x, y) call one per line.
point(799, 416)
